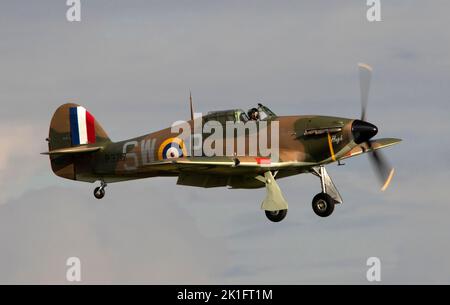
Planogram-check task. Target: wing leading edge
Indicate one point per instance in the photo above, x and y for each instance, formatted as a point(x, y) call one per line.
point(375, 145)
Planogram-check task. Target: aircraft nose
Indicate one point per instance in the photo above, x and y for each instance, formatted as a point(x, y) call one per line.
point(363, 131)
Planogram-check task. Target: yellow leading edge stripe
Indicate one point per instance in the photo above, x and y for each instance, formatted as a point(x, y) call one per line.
point(330, 144)
point(388, 180)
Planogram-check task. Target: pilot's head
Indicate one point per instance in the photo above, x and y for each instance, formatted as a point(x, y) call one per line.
point(253, 114)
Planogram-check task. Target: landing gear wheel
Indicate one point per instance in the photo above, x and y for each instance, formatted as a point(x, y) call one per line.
point(99, 192)
point(276, 216)
point(323, 205)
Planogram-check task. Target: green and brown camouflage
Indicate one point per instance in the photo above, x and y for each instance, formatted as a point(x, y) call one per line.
point(305, 142)
point(80, 149)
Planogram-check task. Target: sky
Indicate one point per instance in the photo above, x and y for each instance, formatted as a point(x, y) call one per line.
point(132, 65)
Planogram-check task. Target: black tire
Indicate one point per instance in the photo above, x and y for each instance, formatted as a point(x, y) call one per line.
point(99, 193)
point(276, 216)
point(323, 205)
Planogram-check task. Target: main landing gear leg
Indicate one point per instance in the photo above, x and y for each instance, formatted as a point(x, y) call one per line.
point(274, 205)
point(99, 192)
point(323, 203)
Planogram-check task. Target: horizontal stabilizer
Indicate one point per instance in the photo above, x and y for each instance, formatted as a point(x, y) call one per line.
point(73, 150)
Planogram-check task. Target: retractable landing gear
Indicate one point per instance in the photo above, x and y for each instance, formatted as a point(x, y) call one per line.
point(274, 205)
point(323, 203)
point(276, 216)
point(99, 192)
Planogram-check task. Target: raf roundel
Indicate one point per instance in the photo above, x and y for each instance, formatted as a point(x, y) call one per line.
point(171, 148)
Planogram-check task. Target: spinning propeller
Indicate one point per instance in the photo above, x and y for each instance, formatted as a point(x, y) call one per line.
point(364, 131)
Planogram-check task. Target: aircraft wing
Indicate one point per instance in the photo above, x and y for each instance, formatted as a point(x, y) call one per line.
point(264, 164)
point(254, 165)
point(225, 171)
point(376, 144)
point(226, 164)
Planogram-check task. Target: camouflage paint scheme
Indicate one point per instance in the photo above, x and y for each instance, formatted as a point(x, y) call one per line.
point(304, 141)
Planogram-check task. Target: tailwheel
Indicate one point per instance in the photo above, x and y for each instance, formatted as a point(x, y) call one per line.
point(323, 205)
point(276, 216)
point(99, 192)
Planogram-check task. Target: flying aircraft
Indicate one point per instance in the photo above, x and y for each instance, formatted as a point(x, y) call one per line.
point(80, 149)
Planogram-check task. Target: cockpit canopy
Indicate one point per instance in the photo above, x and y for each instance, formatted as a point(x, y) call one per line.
point(238, 115)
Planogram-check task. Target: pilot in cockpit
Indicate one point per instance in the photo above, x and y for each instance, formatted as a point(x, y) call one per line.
point(253, 114)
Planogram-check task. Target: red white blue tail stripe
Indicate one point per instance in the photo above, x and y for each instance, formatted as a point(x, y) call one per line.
point(82, 127)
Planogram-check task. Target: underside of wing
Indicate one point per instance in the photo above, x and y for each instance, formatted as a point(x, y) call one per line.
point(375, 145)
point(226, 171)
point(237, 165)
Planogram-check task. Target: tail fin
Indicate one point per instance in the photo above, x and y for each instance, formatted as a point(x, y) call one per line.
point(71, 126)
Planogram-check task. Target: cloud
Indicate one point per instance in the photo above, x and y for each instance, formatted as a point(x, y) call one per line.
point(15, 141)
point(125, 238)
point(20, 145)
point(132, 66)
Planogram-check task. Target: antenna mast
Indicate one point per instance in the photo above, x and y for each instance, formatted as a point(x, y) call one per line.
point(192, 120)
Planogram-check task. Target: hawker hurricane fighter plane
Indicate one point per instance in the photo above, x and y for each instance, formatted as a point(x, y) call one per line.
point(80, 149)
